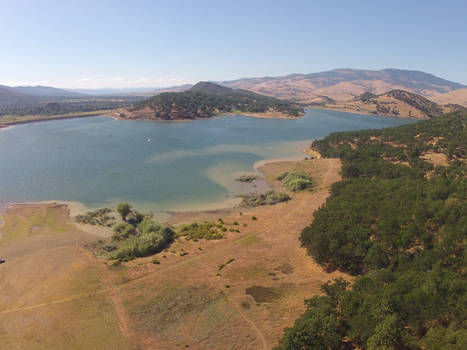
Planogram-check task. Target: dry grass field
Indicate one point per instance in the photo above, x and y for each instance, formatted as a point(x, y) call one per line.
point(234, 293)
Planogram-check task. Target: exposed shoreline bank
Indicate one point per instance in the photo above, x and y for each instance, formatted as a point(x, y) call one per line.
point(114, 115)
point(35, 119)
point(228, 205)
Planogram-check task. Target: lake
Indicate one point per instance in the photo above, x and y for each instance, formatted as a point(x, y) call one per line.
point(156, 166)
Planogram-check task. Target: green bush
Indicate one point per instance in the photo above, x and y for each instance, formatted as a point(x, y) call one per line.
point(268, 198)
point(123, 231)
point(147, 239)
point(206, 230)
point(296, 180)
point(99, 217)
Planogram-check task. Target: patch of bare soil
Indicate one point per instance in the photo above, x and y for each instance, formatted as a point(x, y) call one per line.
point(436, 158)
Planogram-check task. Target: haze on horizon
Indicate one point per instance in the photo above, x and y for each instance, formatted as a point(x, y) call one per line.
point(118, 44)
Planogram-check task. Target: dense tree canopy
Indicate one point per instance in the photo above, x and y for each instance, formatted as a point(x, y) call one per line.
point(205, 100)
point(399, 223)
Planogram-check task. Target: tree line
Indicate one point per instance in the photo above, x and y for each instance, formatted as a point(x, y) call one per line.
point(399, 224)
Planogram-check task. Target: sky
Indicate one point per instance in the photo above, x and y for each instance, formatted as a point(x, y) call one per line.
point(126, 44)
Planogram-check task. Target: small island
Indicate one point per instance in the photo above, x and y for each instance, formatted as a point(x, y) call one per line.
point(206, 100)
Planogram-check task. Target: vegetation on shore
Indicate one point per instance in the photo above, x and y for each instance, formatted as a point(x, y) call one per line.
point(137, 236)
point(267, 198)
point(206, 230)
point(399, 224)
point(296, 180)
point(248, 178)
point(8, 120)
point(205, 100)
point(99, 217)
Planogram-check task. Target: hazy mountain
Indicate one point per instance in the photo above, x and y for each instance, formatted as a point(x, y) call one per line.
point(8, 96)
point(44, 91)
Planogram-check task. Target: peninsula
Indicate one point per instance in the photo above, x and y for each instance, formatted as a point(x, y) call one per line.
point(205, 100)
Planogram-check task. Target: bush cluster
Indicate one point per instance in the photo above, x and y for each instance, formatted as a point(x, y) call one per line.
point(138, 235)
point(268, 198)
point(296, 180)
point(205, 230)
point(99, 217)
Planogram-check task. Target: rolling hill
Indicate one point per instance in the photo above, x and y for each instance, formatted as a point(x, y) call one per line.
point(345, 84)
point(45, 91)
point(26, 95)
point(205, 100)
point(10, 97)
point(458, 96)
point(398, 103)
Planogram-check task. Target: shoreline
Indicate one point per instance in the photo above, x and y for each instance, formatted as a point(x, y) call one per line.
point(229, 204)
point(362, 112)
point(266, 115)
point(34, 119)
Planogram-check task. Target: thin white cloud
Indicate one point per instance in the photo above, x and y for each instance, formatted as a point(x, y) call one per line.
point(26, 83)
point(119, 82)
point(98, 83)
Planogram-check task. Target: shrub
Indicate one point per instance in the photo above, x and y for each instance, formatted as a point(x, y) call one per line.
point(99, 217)
point(149, 238)
point(123, 209)
point(123, 231)
point(268, 198)
point(206, 230)
point(296, 180)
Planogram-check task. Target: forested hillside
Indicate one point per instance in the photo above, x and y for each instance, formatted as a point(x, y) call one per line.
point(205, 100)
point(397, 221)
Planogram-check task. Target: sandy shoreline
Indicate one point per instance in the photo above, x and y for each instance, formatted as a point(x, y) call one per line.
point(228, 205)
point(56, 117)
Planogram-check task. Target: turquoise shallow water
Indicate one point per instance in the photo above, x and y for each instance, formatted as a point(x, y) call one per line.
point(155, 165)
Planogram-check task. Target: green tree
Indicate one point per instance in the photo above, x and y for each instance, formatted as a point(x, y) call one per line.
point(123, 209)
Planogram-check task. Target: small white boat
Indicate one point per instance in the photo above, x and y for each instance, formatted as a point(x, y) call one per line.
point(148, 140)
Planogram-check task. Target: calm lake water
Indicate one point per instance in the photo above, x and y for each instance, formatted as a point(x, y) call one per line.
point(154, 165)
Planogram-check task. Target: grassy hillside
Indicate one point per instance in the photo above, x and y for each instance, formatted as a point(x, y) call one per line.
point(205, 100)
point(398, 103)
point(398, 221)
point(345, 84)
point(458, 96)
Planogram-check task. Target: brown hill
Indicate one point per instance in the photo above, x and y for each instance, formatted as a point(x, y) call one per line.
point(398, 103)
point(345, 84)
point(458, 96)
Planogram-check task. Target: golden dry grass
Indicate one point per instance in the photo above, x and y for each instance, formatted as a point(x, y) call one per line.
point(58, 293)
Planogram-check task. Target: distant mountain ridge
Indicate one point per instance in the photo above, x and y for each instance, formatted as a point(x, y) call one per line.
point(12, 95)
point(345, 84)
point(9, 96)
point(205, 100)
point(45, 91)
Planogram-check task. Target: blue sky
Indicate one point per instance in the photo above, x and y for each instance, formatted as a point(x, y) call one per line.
point(101, 43)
